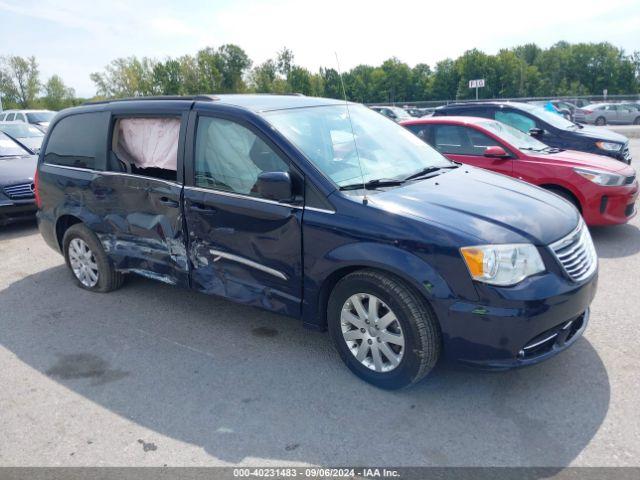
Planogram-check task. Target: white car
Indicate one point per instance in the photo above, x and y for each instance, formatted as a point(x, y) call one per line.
point(38, 118)
point(28, 135)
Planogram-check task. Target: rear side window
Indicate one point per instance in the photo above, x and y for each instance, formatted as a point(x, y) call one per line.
point(10, 117)
point(76, 140)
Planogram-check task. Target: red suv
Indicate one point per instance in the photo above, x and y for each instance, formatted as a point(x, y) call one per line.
point(604, 190)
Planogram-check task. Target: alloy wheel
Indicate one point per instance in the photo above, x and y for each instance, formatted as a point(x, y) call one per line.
point(83, 262)
point(372, 332)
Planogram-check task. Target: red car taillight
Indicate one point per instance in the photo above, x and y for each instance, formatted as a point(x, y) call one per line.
point(36, 190)
point(587, 112)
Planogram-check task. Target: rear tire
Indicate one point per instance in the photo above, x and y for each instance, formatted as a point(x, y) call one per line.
point(382, 297)
point(637, 121)
point(88, 262)
point(600, 121)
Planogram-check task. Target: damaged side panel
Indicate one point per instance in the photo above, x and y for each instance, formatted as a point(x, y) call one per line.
point(141, 227)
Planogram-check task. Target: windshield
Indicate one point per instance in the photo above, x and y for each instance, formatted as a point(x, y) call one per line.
point(37, 117)
point(21, 130)
point(554, 119)
point(514, 136)
point(324, 135)
point(9, 148)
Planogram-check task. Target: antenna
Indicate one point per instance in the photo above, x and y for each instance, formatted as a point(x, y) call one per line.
point(365, 200)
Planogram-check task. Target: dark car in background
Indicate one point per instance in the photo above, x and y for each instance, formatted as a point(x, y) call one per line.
point(17, 169)
point(548, 127)
point(564, 108)
point(263, 200)
point(396, 114)
point(28, 135)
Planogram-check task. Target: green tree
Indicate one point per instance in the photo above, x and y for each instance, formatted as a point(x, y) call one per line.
point(57, 95)
point(19, 80)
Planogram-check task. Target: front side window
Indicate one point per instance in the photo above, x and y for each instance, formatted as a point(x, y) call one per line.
point(75, 140)
point(454, 139)
point(10, 117)
point(376, 148)
point(516, 120)
point(230, 157)
point(515, 137)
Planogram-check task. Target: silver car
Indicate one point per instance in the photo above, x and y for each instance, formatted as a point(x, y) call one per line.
point(609, 114)
point(28, 135)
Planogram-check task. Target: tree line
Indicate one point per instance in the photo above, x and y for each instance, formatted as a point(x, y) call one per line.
point(522, 71)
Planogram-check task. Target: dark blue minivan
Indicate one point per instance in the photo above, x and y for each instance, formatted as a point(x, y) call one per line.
point(321, 210)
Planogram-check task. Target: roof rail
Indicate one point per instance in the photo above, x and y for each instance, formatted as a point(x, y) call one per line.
point(209, 98)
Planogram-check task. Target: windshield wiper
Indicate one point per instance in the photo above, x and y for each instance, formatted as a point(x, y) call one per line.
point(373, 184)
point(427, 171)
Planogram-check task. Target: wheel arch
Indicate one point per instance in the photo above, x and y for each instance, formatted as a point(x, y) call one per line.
point(407, 268)
point(557, 187)
point(62, 225)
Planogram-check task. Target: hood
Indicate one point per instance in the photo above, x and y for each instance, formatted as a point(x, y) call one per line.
point(14, 170)
point(598, 133)
point(492, 208)
point(574, 158)
point(34, 143)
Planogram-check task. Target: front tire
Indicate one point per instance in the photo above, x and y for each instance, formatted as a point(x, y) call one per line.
point(383, 330)
point(88, 261)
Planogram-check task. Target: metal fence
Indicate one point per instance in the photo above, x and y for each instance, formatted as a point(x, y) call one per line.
point(576, 99)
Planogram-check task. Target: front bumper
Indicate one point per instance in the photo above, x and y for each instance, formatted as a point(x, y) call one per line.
point(504, 334)
point(611, 205)
point(12, 211)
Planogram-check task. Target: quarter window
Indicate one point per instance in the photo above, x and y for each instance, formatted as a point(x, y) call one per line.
point(230, 157)
point(75, 140)
point(516, 120)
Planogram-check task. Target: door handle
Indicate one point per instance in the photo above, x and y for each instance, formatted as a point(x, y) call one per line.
point(202, 208)
point(169, 202)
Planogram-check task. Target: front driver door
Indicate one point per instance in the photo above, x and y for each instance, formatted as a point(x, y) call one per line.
point(241, 246)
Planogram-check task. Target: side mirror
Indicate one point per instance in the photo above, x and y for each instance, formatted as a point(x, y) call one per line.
point(275, 186)
point(536, 132)
point(495, 152)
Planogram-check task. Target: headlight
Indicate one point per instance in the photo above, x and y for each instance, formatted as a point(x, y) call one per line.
point(502, 264)
point(609, 146)
point(601, 178)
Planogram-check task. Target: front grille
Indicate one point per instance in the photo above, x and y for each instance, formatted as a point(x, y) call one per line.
point(576, 253)
point(19, 192)
point(626, 153)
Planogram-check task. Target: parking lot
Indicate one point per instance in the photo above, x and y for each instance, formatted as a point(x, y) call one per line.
point(154, 375)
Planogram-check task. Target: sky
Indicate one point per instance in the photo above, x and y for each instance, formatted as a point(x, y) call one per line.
point(74, 38)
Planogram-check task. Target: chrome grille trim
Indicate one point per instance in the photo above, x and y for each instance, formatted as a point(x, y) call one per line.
point(576, 253)
point(18, 192)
